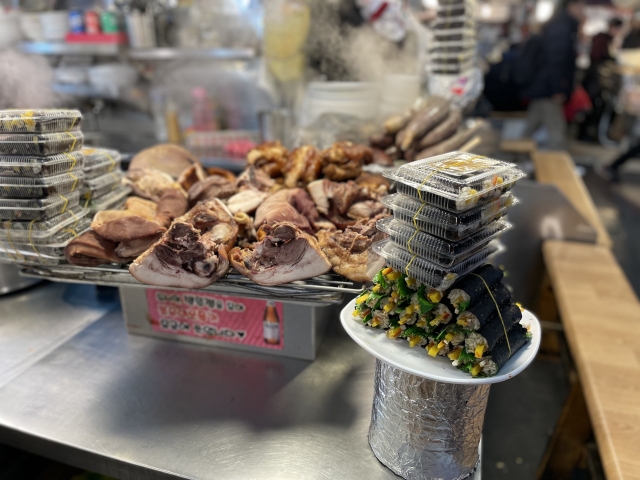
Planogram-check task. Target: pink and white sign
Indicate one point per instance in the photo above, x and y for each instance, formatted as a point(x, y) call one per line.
point(216, 317)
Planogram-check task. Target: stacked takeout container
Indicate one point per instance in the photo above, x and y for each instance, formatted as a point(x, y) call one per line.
point(446, 213)
point(452, 50)
point(41, 178)
point(103, 189)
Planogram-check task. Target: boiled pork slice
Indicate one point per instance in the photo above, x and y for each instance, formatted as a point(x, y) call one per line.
point(285, 254)
point(254, 179)
point(290, 205)
point(91, 250)
point(172, 204)
point(168, 158)
point(365, 210)
point(193, 252)
point(349, 251)
point(212, 187)
point(304, 165)
point(246, 201)
point(270, 157)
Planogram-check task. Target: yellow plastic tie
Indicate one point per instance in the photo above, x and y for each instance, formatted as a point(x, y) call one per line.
point(75, 139)
point(73, 159)
point(71, 231)
point(74, 216)
point(415, 224)
point(66, 202)
point(117, 179)
point(31, 242)
point(498, 309)
point(75, 181)
point(88, 197)
point(406, 269)
point(113, 162)
point(8, 224)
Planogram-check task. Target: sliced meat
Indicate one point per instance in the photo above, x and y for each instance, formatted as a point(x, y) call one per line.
point(285, 254)
point(270, 157)
point(141, 207)
point(107, 216)
point(366, 209)
point(172, 204)
point(303, 166)
point(168, 158)
point(150, 183)
point(128, 228)
point(343, 160)
point(211, 187)
point(132, 248)
point(91, 250)
point(290, 205)
point(191, 175)
point(246, 200)
point(349, 251)
point(255, 179)
point(193, 252)
point(221, 172)
point(376, 185)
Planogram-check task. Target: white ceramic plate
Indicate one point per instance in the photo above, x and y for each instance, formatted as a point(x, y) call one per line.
point(416, 360)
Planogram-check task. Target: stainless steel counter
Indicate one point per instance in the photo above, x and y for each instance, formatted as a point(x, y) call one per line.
point(84, 392)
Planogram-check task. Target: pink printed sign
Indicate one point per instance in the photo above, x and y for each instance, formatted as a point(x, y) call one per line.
point(218, 317)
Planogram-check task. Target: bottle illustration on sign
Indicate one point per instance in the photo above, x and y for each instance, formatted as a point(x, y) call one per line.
point(271, 324)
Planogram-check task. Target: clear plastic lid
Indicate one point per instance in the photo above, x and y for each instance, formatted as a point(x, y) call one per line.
point(55, 249)
point(111, 201)
point(26, 232)
point(99, 186)
point(28, 258)
point(42, 144)
point(39, 121)
point(100, 161)
point(40, 187)
point(442, 223)
point(37, 209)
point(32, 166)
point(456, 181)
point(434, 276)
point(435, 249)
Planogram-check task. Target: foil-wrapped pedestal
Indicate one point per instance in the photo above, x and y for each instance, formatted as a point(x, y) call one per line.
point(423, 429)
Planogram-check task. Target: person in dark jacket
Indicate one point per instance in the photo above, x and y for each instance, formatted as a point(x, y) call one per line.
point(552, 85)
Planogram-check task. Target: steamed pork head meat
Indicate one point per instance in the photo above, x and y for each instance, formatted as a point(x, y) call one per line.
point(270, 157)
point(192, 253)
point(91, 250)
point(284, 254)
point(191, 175)
point(141, 207)
point(344, 160)
point(349, 250)
point(304, 165)
point(221, 172)
point(247, 234)
point(335, 196)
point(375, 184)
point(172, 204)
point(132, 234)
point(365, 209)
point(150, 183)
point(254, 179)
point(215, 186)
point(246, 201)
point(290, 205)
point(168, 158)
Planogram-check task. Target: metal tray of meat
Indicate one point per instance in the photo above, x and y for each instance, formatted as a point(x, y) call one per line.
point(429, 273)
point(39, 121)
point(456, 181)
point(27, 232)
point(113, 200)
point(436, 250)
point(99, 161)
point(34, 166)
point(102, 185)
point(42, 144)
point(444, 224)
point(37, 209)
point(41, 187)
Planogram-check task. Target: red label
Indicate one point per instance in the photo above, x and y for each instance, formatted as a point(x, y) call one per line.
point(216, 317)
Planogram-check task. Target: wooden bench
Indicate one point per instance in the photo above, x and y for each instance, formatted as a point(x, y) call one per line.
point(601, 318)
point(558, 169)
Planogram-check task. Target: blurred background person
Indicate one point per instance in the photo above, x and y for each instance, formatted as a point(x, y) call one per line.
point(552, 83)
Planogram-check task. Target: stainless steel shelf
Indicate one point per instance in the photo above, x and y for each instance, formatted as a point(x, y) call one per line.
point(63, 48)
point(156, 54)
point(323, 290)
point(239, 54)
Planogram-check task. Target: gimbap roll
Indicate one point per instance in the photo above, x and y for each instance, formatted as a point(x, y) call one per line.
point(473, 287)
point(518, 337)
point(484, 340)
point(477, 315)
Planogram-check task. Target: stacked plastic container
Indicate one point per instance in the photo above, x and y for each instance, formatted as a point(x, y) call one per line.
point(103, 189)
point(453, 47)
point(41, 178)
point(446, 213)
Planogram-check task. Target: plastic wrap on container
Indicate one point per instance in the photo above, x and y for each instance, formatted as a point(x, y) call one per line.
point(421, 429)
